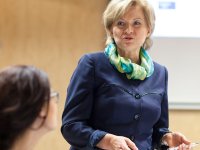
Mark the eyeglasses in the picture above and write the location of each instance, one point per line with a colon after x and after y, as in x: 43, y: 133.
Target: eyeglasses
x: 54, y: 96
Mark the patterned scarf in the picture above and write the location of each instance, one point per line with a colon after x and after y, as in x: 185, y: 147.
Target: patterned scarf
x: 124, y: 65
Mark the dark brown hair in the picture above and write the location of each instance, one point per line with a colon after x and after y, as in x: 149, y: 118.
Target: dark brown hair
x: 23, y: 92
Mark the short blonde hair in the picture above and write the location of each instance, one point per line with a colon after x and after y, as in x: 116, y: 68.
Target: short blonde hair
x: 117, y: 8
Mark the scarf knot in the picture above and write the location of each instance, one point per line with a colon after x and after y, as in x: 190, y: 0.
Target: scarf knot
x: 124, y: 65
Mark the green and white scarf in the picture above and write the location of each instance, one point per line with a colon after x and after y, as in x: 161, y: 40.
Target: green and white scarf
x: 124, y: 65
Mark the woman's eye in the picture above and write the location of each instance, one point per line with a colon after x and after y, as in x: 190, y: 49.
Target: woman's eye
x: 121, y: 24
x: 136, y: 23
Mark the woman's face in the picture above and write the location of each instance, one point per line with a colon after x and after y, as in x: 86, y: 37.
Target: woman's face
x: 130, y: 31
x: 52, y: 114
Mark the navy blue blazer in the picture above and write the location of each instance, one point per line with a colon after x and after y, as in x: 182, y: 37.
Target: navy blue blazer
x: 102, y: 100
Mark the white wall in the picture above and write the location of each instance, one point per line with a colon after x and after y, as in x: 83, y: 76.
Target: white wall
x: 181, y: 56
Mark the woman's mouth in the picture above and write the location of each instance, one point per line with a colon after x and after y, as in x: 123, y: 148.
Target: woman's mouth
x: 128, y: 38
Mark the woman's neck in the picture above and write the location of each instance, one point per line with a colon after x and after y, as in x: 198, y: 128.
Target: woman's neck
x: 27, y: 141
x: 134, y: 56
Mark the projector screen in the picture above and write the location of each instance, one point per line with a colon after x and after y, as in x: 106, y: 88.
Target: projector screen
x: 176, y: 45
x: 177, y: 18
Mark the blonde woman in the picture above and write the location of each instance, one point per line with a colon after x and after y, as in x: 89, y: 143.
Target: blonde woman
x: 117, y: 99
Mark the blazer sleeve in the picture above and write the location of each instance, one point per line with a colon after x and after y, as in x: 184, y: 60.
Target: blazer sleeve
x: 78, y: 107
x: 161, y: 127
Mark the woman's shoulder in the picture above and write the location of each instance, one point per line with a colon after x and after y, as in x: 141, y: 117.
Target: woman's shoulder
x: 94, y: 56
x: 160, y: 68
x: 158, y: 65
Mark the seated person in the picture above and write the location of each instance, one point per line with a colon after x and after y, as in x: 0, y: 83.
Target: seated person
x: 28, y: 108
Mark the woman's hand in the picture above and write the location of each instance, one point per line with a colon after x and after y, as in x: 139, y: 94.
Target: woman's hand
x: 177, y: 140
x: 113, y: 142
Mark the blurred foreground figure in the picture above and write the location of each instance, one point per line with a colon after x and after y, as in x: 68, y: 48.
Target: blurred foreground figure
x: 28, y: 108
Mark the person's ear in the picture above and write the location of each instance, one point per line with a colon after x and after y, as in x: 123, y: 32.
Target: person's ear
x: 44, y: 111
x: 41, y: 117
x: 110, y: 33
x: 148, y: 32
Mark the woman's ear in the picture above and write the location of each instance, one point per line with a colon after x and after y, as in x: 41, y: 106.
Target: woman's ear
x: 41, y: 117
x: 148, y: 32
x: 110, y: 31
x: 44, y: 111
x: 110, y: 34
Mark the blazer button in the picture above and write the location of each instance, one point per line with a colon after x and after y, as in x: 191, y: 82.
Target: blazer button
x: 137, y: 96
x: 137, y: 116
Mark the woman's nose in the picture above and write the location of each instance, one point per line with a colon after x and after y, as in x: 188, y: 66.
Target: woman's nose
x: 129, y: 29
